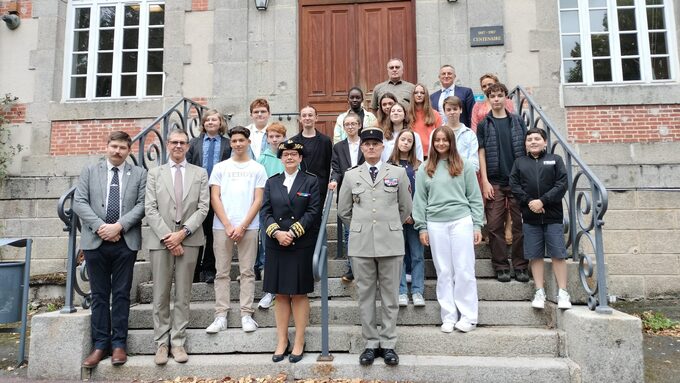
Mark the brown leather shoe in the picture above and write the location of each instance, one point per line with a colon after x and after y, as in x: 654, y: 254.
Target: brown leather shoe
x: 94, y: 358
x: 119, y: 356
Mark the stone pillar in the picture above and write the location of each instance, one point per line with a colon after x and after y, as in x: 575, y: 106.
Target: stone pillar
x: 59, y: 343
x: 608, y: 348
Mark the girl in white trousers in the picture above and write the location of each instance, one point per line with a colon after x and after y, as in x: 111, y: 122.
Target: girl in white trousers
x: 448, y: 213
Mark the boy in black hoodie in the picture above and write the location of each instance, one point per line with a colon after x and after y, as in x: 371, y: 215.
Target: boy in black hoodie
x: 539, y: 181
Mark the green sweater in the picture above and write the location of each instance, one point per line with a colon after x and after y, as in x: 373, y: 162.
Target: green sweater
x: 272, y: 165
x: 443, y: 198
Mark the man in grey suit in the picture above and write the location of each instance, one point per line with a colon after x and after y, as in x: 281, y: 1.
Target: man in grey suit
x: 109, y: 200
x: 177, y: 200
x: 375, y: 201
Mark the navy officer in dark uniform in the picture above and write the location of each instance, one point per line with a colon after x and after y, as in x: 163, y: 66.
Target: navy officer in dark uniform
x: 291, y: 216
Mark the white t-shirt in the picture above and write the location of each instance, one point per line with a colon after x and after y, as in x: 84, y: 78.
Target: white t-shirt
x: 237, y: 182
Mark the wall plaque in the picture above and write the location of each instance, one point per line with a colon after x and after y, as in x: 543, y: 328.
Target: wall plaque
x: 485, y: 36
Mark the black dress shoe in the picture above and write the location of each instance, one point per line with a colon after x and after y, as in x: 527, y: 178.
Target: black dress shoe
x: 348, y: 277
x: 367, y: 357
x: 391, y: 357
x: 295, y: 358
x: 279, y: 357
x: 208, y: 277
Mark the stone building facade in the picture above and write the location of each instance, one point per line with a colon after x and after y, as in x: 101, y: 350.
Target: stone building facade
x: 224, y: 53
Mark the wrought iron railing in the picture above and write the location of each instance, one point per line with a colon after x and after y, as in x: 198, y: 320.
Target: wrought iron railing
x: 320, y: 268
x: 186, y: 115
x: 586, y: 201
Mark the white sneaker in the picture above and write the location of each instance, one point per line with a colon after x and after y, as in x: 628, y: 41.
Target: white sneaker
x: 403, y: 300
x: 267, y: 301
x: 563, y: 300
x: 539, y: 299
x: 408, y: 278
x: 464, y: 326
x: 219, y: 324
x: 447, y: 327
x: 248, y: 323
x: 418, y: 300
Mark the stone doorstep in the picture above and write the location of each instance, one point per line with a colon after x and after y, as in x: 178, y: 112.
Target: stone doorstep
x: 414, y: 368
x: 347, y: 313
x: 485, y: 341
x: 487, y: 289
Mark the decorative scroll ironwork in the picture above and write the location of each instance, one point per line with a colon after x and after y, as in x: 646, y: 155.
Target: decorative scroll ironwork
x: 152, y: 149
x: 320, y: 269
x: 586, y: 203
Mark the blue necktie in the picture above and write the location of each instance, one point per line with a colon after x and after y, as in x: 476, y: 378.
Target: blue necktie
x: 113, y: 207
x: 211, y: 155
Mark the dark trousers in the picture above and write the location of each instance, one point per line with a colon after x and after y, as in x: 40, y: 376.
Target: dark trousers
x: 110, y: 269
x: 206, y: 257
x: 495, y: 222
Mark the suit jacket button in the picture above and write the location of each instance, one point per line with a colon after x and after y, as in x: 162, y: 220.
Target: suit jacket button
x: 280, y: 219
x: 292, y: 217
x: 374, y: 210
x: 374, y: 221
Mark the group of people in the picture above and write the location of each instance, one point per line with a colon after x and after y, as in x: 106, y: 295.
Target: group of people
x: 414, y: 171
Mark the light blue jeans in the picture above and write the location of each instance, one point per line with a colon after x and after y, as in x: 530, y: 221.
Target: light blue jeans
x: 415, y: 249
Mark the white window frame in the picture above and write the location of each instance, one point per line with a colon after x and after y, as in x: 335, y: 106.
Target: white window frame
x: 93, y: 49
x: 642, y: 31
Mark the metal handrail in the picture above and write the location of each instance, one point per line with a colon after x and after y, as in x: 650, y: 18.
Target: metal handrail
x: 320, y: 270
x: 586, y: 200
x: 185, y: 114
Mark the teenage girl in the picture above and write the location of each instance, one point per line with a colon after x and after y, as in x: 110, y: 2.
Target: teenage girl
x: 448, y: 213
x: 404, y: 155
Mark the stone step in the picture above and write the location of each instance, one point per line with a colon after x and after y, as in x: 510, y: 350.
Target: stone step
x: 487, y: 289
x: 346, y: 312
x: 416, y: 340
x: 482, y: 250
x: 338, y: 267
x: 412, y: 368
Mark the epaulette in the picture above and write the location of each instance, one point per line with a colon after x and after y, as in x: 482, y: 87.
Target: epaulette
x: 353, y: 167
x: 277, y: 174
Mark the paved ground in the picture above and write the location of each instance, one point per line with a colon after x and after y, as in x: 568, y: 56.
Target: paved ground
x: 661, y: 353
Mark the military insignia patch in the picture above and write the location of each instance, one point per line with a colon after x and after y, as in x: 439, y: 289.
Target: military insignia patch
x: 391, y: 181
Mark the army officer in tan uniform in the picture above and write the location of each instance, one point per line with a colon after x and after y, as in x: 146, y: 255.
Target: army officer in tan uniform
x: 375, y: 201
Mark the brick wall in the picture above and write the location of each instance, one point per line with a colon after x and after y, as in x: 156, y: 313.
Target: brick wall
x: 623, y: 124
x: 199, y: 5
x: 84, y: 137
x: 24, y: 7
x: 16, y: 114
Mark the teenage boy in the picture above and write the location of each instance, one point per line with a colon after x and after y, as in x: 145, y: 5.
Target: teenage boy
x: 346, y: 154
x: 355, y: 99
x: 466, y: 139
x: 236, y: 192
x: 501, y: 141
x: 276, y: 133
x: 316, y: 158
x: 259, y: 113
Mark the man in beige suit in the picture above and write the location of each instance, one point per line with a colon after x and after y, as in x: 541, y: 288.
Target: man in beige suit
x: 177, y: 200
x: 375, y: 201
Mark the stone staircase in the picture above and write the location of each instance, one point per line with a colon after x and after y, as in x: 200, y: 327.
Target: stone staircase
x: 513, y: 341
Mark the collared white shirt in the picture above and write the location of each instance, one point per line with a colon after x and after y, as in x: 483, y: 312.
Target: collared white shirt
x: 257, y: 139
x: 290, y: 178
x: 354, y: 151
x: 109, y: 177
x: 173, y: 171
x: 440, y: 104
x: 369, y: 166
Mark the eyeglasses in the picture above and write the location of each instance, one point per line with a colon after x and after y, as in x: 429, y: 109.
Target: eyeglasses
x: 393, y: 67
x: 177, y: 143
x: 291, y: 154
x: 350, y: 124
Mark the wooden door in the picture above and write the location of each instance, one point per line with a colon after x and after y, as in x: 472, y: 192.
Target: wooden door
x: 347, y: 43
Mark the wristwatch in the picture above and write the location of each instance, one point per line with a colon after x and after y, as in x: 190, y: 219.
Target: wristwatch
x: 186, y: 230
